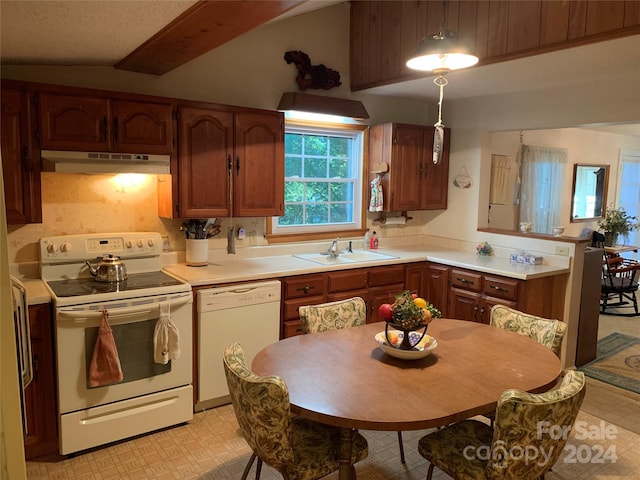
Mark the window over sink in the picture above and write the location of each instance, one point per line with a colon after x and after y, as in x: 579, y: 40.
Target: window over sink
x: 323, y: 179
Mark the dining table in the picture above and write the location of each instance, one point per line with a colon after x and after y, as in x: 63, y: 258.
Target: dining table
x: 343, y: 378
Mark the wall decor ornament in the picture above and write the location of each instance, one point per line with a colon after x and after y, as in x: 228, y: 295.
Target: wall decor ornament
x: 312, y: 76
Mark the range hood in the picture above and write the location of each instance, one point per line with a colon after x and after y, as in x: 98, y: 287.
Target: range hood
x: 92, y: 162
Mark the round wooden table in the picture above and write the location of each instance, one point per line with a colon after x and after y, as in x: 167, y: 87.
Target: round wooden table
x: 343, y: 378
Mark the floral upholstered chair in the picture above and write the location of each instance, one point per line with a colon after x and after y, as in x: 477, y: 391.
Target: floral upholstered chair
x: 525, y: 422
x: 333, y: 315
x: 298, y: 448
x: 351, y: 312
x: 546, y: 332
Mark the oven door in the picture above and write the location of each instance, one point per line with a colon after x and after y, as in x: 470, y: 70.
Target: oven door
x: 133, y: 324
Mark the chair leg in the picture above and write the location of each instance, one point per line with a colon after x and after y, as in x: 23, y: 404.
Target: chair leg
x: 430, y: 471
x: 259, y: 468
x: 401, y: 445
x: 245, y: 473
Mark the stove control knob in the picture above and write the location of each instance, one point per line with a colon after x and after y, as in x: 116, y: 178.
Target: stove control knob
x: 151, y: 242
x: 51, y: 248
x: 140, y: 243
x: 129, y: 244
x: 65, y: 247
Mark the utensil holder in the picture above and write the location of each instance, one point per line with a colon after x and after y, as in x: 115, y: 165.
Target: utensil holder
x: 197, y: 252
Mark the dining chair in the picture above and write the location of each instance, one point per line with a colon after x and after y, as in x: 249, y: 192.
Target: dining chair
x: 298, y: 448
x: 525, y: 422
x: 619, y: 283
x: 350, y: 312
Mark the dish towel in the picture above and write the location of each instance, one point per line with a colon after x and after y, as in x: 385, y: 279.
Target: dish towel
x: 376, y: 204
x: 166, y: 337
x: 105, y: 364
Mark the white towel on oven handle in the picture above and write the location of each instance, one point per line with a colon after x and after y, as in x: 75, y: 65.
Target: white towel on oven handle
x: 166, y: 337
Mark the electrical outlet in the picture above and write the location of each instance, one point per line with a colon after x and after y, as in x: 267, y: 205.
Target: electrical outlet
x: 166, y: 245
x: 562, y: 250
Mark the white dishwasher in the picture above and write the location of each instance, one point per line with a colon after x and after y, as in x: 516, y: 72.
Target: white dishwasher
x: 247, y: 313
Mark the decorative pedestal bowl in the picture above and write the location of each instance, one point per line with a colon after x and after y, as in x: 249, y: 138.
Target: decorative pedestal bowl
x: 413, y: 344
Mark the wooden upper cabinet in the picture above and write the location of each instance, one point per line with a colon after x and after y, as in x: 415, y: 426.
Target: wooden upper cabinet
x: 413, y: 181
x: 384, y: 34
x: 142, y: 127
x: 230, y: 162
x: 205, y: 155
x: 87, y: 123
x: 21, y: 172
x: 258, y: 167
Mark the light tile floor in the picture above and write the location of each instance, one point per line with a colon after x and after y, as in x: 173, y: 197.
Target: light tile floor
x: 211, y: 447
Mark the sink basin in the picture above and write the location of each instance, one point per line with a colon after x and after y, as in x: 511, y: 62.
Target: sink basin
x: 356, y: 256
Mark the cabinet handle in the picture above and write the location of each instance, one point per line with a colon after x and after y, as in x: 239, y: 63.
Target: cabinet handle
x: 482, y: 315
x: 238, y: 165
x: 464, y: 280
x: 475, y: 313
x: 115, y: 129
x: 36, y: 368
x: 229, y: 164
x: 306, y: 288
x: 105, y: 128
x: 26, y: 164
x: 498, y: 288
x: 420, y: 169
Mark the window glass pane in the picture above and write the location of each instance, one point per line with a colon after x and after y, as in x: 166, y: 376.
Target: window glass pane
x: 292, y: 166
x: 292, y: 144
x: 339, y: 147
x: 341, y: 192
x: 340, y: 212
x: 318, y: 213
x: 314, y: 145
x: 293, y: 191
x: 315, y: 168
x: 293, y: 215
x: 338, y: 167
x: 317, y: 192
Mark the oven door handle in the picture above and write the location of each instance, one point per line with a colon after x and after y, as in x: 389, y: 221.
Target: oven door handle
x: 123, y: 311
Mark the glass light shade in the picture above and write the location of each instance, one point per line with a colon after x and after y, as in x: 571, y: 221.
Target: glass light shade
x: 441, y: 53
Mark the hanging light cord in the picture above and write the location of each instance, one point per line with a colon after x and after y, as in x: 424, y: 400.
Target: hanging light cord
x: 440, y: 81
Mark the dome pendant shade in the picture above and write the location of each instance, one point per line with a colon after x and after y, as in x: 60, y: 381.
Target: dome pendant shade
x: 442, y: 53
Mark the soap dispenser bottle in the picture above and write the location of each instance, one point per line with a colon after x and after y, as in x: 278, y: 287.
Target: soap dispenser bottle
x: 373, y: 241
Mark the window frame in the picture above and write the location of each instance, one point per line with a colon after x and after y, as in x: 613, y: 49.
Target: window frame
x: 281, y: 235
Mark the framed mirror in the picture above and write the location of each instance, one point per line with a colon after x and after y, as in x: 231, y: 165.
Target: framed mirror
x: 589, y: 194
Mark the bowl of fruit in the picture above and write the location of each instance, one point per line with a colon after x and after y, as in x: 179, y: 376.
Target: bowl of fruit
x: 389, y: 341
x: 407, y: 320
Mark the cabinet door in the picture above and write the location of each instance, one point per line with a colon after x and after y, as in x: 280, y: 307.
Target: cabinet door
x: 464, y: 305
x: 40, y: 399
x: 142, y: 127
x: 435, y: 177
x: 70, y: 122
x: 488, y: 303
x: 406, y: 166
x: 378, y: 296
x: 21, y: 173
x: 436, y: 290
x: 205, y: 149
x: 258, y: 164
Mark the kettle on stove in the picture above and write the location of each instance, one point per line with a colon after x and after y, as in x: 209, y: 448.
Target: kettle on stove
x: 109, y: 269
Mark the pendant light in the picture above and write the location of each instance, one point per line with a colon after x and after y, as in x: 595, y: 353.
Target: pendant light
x: 441, y: 53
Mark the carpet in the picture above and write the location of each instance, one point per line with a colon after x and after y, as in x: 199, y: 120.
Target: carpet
x: 617, y: 362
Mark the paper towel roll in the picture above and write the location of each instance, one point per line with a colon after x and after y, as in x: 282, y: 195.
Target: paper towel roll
x: 396, y: 220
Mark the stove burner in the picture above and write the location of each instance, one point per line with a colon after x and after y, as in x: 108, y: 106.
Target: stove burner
x: 89, y: 286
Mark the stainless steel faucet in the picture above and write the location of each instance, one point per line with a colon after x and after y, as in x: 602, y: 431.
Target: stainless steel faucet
x: 333, y: 249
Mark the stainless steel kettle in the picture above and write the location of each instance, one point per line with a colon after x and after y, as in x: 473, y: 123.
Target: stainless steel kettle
x: 109, y: 269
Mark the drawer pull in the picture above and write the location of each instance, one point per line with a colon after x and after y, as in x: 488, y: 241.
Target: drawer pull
x: 306, y: 288
x: 498, y: 288
x: 464, y: 280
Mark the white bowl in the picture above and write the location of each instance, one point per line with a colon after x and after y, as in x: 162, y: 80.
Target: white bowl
x: 421, y: 350
x: 557, y: 230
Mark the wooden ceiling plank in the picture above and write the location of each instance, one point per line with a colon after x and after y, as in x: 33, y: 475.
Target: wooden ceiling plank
x: 201, y: 28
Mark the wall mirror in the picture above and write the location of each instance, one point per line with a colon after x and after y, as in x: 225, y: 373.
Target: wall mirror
x: 589, y: 194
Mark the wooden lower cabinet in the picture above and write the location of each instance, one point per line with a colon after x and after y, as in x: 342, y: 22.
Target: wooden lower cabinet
x: 40, y: 395
x: 431, y: 282
x: 472, y: 294
x: 298, y: 291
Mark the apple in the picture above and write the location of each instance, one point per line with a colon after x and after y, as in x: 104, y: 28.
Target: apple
x: 386, y: 311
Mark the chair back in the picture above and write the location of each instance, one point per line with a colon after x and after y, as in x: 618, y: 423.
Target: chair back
x: 544, y: 331
x: 261, y: 405
x: 333, y: 315
x: 531, y: 430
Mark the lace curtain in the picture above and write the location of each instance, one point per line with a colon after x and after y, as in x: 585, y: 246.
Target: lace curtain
x: 500, y: 172
x: 543, y: 177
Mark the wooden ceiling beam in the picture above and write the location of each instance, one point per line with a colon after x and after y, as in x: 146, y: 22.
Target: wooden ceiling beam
x: 201, y: 28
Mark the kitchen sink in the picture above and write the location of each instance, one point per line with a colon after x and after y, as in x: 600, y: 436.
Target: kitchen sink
x: 356, y: 256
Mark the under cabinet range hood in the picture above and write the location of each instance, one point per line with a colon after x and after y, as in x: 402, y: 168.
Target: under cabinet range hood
x: 98, y: 162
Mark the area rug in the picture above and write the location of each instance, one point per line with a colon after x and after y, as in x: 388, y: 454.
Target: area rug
x: 617, y: 362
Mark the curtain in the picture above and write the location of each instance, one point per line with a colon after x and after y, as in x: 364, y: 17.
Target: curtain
x: 500, y: 172
x: 629, y: 190
x: 543, y: 174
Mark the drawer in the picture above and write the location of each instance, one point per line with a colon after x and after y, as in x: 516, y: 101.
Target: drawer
x: 304, y: 286
x: 466, y: 280
x: 348, y: 280
x: 500, y: 287
x: 291, y: 306
x: 379, y: 276
x: 292, y: 328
